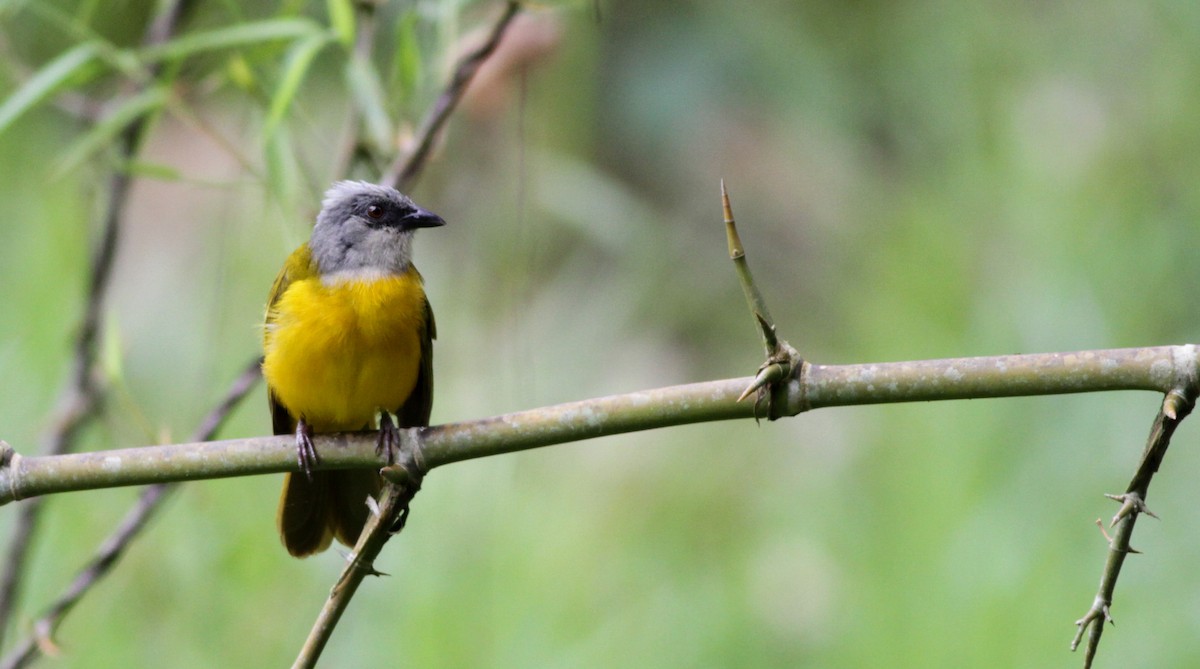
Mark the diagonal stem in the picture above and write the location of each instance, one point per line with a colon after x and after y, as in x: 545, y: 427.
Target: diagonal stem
x: 1177, y: 404
x: 386, y: 519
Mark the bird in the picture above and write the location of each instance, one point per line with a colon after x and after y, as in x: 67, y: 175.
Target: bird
x: 348, y: 335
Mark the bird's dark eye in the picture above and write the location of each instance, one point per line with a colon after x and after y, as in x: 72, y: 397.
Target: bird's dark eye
x: 375, y: 212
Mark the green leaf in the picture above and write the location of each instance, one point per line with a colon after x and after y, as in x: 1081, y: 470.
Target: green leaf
x: 299, y: 58
x: 281, y: 166
x: 406, y: 61
x: 341, y: 20
x: 112, y: 355
x: 157, y: 171
x: 46, y: 82
x: 110, y: 126
x: 256, y: 32
x: 363, y: 81
x: 240, y: 72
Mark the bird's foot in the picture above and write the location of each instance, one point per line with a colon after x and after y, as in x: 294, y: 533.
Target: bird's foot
x: 389, y: 438
x: 306, y: 453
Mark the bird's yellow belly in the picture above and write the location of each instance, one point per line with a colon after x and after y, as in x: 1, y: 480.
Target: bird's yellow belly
x: 337, y: 354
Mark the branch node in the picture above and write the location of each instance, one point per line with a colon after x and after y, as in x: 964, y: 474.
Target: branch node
x: 10, y: 469
x: 1131, y: 503
x: 365, y: 568
x: 1099, y: 611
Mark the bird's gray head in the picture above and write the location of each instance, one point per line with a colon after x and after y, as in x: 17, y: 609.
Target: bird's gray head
x: 364, y: 228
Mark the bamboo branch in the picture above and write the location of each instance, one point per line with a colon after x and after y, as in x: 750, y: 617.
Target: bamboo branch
x: 1159, y: 369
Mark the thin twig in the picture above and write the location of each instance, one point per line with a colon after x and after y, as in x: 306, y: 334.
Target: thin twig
x: 80, y: 400
x: 1177, y: 404
x: 403, y: 172
x: 114, y: 546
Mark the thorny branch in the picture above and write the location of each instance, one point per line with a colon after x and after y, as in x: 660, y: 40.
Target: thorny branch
x: 1177, y: 404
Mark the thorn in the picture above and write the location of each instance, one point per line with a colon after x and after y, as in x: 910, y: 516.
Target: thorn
x: 373, y: 506
x: 396, y: 474
x: 725, y: 207
x: 372, y: 571
x: 1100, y: 524
x: 767, y: 374
x: 1131, y: 504
x: 759, y: 381
x: 731, y: 234
x: 1173, y: 404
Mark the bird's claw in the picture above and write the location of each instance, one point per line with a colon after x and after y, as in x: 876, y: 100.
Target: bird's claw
x: 306, y: 453
x: 389, y: 438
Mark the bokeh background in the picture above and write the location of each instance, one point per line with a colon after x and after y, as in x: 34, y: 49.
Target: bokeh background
x: 913, y: 179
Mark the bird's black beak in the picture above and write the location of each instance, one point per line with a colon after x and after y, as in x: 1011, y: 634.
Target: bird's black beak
x: 421, y: 218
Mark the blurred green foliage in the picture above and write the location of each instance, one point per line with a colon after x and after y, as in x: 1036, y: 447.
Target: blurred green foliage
x: 912, y: 179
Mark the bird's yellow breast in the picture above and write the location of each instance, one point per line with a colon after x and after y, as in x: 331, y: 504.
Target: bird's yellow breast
x: 338, y: 351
